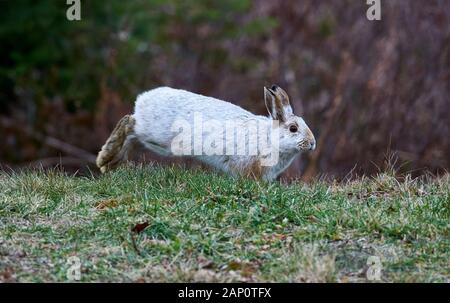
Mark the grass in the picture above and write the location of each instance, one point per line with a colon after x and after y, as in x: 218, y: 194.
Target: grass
x: 172, y: 225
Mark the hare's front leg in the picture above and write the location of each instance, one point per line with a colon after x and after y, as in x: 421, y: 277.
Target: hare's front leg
x: 157, y: 148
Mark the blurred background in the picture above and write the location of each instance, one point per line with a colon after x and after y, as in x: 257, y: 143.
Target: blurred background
x: 367, y: 89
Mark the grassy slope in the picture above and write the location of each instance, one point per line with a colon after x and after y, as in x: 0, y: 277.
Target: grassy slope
x: 207, y: 227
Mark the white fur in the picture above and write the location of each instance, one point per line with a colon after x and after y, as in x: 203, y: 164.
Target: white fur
x: 157, y: 110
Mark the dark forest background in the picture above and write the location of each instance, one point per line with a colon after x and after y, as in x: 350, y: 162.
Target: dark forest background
x: 367, y: 89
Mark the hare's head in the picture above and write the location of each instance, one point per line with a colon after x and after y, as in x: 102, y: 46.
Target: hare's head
x: 295, y: 135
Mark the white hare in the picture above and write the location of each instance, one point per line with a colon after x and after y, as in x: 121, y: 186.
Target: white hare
x: 160, y: 114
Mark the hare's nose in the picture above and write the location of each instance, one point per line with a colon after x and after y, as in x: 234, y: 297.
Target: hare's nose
x: 312, y: 144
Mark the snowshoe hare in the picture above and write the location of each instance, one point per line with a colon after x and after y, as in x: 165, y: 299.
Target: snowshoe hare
x: 176, y: 122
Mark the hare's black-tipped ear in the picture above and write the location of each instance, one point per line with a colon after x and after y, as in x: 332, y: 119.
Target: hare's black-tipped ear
x: 277, y: 103
x: 269, y: 97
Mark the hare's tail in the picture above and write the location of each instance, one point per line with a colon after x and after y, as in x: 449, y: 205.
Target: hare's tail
x: 117, y: 146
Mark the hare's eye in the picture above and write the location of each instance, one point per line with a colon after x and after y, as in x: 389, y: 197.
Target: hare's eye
x: 293, y: 128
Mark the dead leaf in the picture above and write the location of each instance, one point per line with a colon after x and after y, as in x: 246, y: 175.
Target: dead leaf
x: 206, y: 275
x: 234, y: 265
x: 139, y: 227
x: 205, y: 263
x: 102, y: 204
x: 279, y: 236
x: 344, y: 279
x: 6, y: 275
x: 336, y: 237
x: 248, y: 269
x: 312, y: 218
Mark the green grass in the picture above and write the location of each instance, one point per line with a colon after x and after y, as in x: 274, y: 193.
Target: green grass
x: 204, y: 226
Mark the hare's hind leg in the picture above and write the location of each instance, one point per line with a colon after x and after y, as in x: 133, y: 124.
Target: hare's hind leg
x: 118, y: 145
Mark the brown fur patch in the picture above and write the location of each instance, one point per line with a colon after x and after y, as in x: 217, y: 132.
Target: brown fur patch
x: 309, y: 135
x: 281, y: 103
x: 282, y: 96
x: 254, y: 169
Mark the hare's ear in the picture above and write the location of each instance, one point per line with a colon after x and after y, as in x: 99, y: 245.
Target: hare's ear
x: 277, y: 103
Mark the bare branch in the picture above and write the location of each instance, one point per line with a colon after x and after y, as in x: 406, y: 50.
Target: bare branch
x: 51, y: 141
